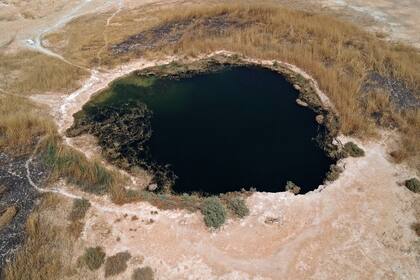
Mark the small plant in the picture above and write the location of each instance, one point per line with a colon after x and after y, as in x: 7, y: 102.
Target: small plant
x: 116, y: 264
x: 143, y: 273
x: 238, y: 206
x: 334, y: 173
x: 413, y: 185
x: 416, y: 228
x: 292, y: 187
x: 93, y: 257
x: 214, y: 212
x: 79, y: 209
x: 353, y: 150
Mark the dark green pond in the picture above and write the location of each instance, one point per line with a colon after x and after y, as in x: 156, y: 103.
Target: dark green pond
x: 217, y: 132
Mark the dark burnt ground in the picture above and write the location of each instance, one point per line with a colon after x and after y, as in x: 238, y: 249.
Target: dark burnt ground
x: 402, y: 97
x: 20, y: 194
x: 171, y: 33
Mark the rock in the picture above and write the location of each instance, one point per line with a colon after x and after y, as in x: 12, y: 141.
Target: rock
x: 152, y: 187
x: 301, y: 103
x: 319, y: 119
x: 297, y: 87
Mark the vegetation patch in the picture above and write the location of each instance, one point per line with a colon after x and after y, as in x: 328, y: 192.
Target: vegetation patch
x: 93, y: 257
x: 416, y: 228
x: 7, y: 215
x: 292, y: 187
x: 353, y: 150
x: 41, y: 256
x: 238, y: 207
x: 90, y: 176
x: 143, y: 273
x: 413, y: 185
x: 334, y: 173
x: 79, y: 209
x: 20, y: 124
x: 116, y: 264
x: 214, y: 212
x: 29, y: 72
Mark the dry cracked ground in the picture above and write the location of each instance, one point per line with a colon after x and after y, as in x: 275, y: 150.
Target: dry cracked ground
x: 357, y: 227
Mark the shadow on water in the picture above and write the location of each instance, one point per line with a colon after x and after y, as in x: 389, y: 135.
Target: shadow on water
x: 222, y: 131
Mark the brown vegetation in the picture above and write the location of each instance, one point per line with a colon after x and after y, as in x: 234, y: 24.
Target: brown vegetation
x: 116, y: 264
x: 91, y: 176
x: 143, y: 273
x: 42, y: 255
x: 7, y: 215
x: 93, y: 257
x: 20, y: 124
x: 28, y: 72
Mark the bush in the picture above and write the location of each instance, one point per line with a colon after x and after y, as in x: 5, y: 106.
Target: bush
x: 238, y: 206
x: 292, y: 187
x: 413, y: 185
x: 353, y: 150
x: 214, y: 212
x: 93, y: 257
x: 79, y: 209
x: 416, y: 228
x: 334, y: 173
x: 144, y: 273
x: 116, y: 264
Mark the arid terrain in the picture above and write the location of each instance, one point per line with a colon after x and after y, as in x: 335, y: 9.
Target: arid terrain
x: 359, y: 226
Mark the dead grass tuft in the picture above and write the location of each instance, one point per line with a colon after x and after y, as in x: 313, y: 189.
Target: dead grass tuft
x: 7, y: 215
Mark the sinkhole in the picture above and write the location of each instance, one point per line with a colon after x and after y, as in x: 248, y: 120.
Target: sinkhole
x: 213, y: 132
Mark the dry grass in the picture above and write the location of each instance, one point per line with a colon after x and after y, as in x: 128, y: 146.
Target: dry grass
x: 90, y: 176
x: 28, y: 72
x: 7, y: 216
x: 45, y: 254
x: 20, y: 124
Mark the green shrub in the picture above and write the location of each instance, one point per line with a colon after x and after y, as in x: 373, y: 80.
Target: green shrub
x: 334, y: 173
x: 413, y: 185
x: 144, y: 273
x: 93, y: 257
x: 214, y: 212
x: 238, y: 206
x: 116, y: 264
x: 353, y: 150
x: 292, y: 187
x: 79, y: 209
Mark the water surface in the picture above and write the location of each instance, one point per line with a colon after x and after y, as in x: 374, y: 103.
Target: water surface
x: 236, y: 128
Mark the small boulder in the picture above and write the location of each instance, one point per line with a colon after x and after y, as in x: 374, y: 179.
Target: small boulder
x: 301, y: 103
x: 152, y: 187
x: 319, y: 119
x: 297, y: 87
